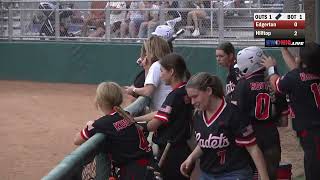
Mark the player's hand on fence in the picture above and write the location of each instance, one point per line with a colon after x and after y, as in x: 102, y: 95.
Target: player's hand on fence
x: 268, y: 61
x: 186, y: 167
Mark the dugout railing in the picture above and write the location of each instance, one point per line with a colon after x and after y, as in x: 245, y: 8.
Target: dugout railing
x: 88, y: 161
x: 21, y: 20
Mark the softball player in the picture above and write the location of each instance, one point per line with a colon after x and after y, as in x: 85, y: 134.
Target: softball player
x: 226, y: 57
x: 223, y: 133
x: 125, y: 142
x: 171, y: 122
x: 254, y: 98
x: 303, y: 87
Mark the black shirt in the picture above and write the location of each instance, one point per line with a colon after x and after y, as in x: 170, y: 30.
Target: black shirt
x: 139, y: 79
x: 254, y: 97
x: 222, y: 137
x: 125, y: 142
x: 176, y: 112
x: 231, y: 82
x: 304, y: 93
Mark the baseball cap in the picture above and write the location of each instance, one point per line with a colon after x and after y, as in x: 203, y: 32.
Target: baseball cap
x: 163, y: 31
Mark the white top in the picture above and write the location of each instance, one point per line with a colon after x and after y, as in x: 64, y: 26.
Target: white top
x: 136, y: 14
x: 162, y: 90
x: 116, y: 16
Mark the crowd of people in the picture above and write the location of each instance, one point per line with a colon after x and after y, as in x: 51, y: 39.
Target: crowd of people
x: 137, y: 19
x: 231, y: 132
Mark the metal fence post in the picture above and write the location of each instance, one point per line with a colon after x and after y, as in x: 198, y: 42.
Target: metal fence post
x: 161, y: 14
x: 211, y: 18
x: 10, y: 23
x: 22, y: 19
x: 220, y: 22
x: 2, y: 12
x: 107, y: 24
x: 57, y: 22
x: 250, y: 6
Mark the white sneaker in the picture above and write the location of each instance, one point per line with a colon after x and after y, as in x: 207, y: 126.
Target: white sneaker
x: 196, y: 32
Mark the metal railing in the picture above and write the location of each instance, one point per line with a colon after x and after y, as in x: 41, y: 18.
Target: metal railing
x: 19, y: 20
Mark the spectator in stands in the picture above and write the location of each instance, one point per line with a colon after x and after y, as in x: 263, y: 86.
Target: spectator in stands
x: 151, y: 20
x: 96, y: 18
x: 237, y: 4
x: 171, y: 14
x: 116, y: 16
x: 133, y: 20
x: 196, y: 15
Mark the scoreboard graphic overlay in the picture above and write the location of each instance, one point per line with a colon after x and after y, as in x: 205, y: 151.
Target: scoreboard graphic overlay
x: 280, y: 29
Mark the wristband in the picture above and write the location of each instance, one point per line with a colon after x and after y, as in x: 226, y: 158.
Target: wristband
x: 271, y: 71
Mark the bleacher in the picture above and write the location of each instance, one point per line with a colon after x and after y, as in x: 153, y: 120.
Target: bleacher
x: 237, y: 23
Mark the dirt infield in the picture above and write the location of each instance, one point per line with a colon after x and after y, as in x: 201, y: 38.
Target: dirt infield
x: 39, y: 121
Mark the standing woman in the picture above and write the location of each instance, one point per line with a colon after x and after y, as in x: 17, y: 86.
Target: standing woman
x: 224, y: 135
x: 264, y: 108
x: 172, y: 121
x: 302, y: 84
x: 226, y: 58
x: 154, y: 87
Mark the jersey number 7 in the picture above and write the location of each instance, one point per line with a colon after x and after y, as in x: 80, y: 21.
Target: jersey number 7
x: 262, y: 106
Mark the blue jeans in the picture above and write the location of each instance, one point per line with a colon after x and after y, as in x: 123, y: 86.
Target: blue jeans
x: 241, y: 174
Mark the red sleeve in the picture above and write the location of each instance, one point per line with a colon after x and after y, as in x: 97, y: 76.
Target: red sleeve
x: 162, y: 116
x: 88, y: 131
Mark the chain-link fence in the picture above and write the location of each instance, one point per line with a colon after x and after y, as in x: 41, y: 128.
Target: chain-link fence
x: 207, y: 22
x: 89, y: 171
